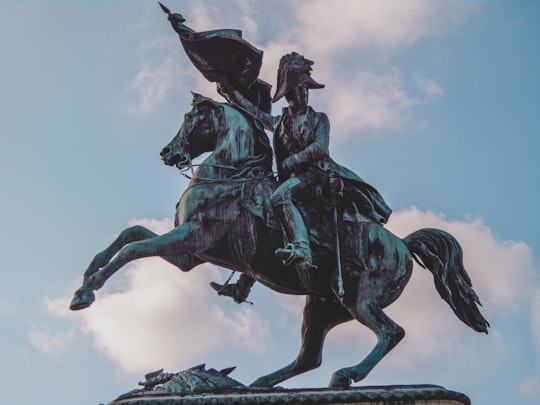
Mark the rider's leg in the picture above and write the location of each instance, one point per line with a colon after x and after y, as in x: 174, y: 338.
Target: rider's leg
x: 298, y: 250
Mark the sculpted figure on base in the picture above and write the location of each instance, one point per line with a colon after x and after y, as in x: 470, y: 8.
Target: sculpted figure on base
x: 236, y: 214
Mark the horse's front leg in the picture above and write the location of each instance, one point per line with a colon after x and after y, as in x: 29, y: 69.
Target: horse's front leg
x: 84, y: 296
x: 128, y: 235
x: 171, y: 246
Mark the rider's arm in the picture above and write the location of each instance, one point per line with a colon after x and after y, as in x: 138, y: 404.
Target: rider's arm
x: 314, y: 151
x: 233, y: 96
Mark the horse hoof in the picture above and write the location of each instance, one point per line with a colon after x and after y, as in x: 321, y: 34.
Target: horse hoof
x: 83, y: 298
x: 340, y: 380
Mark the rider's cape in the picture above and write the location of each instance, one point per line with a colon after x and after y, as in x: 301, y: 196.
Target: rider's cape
x: 367, y: 199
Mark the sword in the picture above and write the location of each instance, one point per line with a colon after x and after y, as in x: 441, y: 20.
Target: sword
x: 341, y: 291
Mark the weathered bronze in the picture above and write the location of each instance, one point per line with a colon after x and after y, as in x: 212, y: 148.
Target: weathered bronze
x: 197, y: 385
x: 236, y: 214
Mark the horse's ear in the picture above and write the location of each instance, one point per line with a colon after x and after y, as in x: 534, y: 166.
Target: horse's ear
x: 199, y: 100
x: 196, y: 98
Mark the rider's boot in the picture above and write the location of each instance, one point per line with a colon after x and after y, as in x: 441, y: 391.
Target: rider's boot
x: 238, y: 291
x: 298, y: 251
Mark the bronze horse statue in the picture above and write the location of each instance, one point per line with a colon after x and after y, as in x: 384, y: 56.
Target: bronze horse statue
x: 223, y: 218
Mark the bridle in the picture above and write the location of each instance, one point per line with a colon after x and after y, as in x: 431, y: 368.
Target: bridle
x: 247, y: 169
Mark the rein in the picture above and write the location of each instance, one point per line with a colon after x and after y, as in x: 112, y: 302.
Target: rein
x: 254, y: 173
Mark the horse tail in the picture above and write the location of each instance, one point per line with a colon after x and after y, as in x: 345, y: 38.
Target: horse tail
x: 440, y: 253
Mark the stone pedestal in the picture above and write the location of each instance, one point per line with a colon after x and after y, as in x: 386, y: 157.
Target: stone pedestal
x: 383, y: 395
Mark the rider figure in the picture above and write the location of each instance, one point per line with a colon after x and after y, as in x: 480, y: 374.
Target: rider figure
x: 301, y: 138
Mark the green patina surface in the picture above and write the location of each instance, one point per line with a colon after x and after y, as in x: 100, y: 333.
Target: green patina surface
x: 315, y: 229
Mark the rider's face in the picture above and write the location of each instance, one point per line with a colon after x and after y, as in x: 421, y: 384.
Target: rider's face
x: 299, y: 96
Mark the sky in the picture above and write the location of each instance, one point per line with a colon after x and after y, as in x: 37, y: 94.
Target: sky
x: 435, y: 103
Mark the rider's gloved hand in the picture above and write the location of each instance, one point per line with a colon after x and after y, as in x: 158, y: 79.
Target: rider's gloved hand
x: 290, y: 164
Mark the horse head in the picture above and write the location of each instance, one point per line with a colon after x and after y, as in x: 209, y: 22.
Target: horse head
x: 197, y: 133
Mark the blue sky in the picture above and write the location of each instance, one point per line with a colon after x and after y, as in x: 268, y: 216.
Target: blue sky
x: 437, y: 104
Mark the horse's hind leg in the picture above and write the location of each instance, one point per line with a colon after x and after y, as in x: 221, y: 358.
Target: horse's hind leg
x: 389, y: 334
x: 320, y: 315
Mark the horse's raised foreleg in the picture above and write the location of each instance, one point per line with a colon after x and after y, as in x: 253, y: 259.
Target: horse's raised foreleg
x: 84, y: 296
x: 320, y: 315
x: 171, y: 244
x: 128, y: 235
x: 389, y: 334
x: 133, y: 234
x: 174, y: 246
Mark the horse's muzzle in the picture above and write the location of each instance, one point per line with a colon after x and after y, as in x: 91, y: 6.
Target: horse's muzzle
x: 170, y: 158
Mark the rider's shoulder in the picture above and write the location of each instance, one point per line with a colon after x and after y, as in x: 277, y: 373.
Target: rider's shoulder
x: 321, y: 117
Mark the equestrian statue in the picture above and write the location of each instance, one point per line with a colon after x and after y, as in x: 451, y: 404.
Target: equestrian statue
x: 315, y: 229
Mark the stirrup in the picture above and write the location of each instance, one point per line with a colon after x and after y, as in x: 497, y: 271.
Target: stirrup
x: 289, y: 254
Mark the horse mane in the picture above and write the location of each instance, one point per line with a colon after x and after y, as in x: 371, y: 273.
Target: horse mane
x: 259, y: 136
x: 228, y: 113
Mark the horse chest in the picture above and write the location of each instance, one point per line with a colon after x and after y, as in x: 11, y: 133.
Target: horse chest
x: 207, y: 204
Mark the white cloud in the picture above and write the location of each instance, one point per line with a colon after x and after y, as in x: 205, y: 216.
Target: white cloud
x: 535, y: 318
x: 346, y: 25
x: 530, y: 387
x: 152, y: 85
x: 155, y: 316
x: 164, y: 318
x: 159, y: 226
x: 292, y: 306
x: 239, y: 14
x: 359, y: 103
x: 365, y: 102
x: 273, y: 51
x: 165, y: 69
x: 49, y: 342
x: 250, y: 28
x: 429, y: 88
x: 501, y: 271
x: 203, y: 16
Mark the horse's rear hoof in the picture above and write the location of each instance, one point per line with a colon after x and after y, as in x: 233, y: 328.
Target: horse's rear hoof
x: 340, y: 380
x: 83, y: 298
